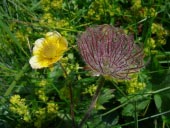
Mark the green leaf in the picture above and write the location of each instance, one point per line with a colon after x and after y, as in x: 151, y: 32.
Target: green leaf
x: 142, y: 105
x: 158, y: 102
x: 128, y: 110
x: 164, y: 95
x: 105, y: 96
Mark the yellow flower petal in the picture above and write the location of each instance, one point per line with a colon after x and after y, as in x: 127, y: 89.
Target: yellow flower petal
x: 52, y: 37
x: 55, y: 33
x: 38, y: 45
x: 34, y: 62
x: 63, y: 43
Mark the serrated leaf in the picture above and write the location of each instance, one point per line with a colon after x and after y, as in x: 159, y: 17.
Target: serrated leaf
x: 105, y: 96
x: 100, y: 107
x: 128, y: 110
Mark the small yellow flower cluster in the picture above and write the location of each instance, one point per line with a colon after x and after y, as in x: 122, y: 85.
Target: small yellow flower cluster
x: 53, y: 22
x: 47, y: 18
x: 133, y: 86
x: 19, y: 35
x: 52, y: 107
x: 99, y: 8
x: 70, y: 67
x: 19, y: 107
x: 51, y: 5
x: 136, y: 4
x: 50, y: 112
x: 56, y: 4
x: 62, y: 23
x: 145, y: 12
x: 40, y: 116
x: 158, y: 30
x: 158, y: 38
x: 151, y: 43
x: 90, y: 90
x: 50, y: 8
x: 41, y: 90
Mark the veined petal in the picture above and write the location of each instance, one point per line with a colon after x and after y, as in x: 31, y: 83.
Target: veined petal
x: 38, y: 62
x: 55, y: 33
x: 38, y: 42
x: 38, y: 45
x: 34, y: 62
x: 63, y: 43
x: 53, y: 37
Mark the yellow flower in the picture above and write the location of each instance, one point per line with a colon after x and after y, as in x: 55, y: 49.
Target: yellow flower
x: 18, y: 105
x: 48, y: 50
x: 136, y: 4
x: 151, y: 43
x: 133, y: 86
x: 52, y: 108
x: 90, y: 90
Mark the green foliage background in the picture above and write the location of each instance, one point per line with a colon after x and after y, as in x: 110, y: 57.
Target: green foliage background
x: 40, y: 98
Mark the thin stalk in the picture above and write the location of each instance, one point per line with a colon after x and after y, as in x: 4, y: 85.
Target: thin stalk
x: 136, y: 115
x: 123, y: 94
x: 146, y: 118
x: 93, y: 102
x: 160, y: 90
x: 116, y: 108
x: 71, y: 98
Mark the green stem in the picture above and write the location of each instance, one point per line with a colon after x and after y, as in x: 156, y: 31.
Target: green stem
x: 71, y: 98
x: 136, y: 115
x: 146, y: 118
x: 93, y: 102
x: 160, y: 90
x: 114, y: 109
x: 119, y: 89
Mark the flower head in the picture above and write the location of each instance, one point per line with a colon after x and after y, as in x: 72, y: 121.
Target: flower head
x: 109, y: 51
x: 48, y: 50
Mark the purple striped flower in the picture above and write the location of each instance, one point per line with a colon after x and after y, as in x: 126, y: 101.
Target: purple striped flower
x: 109, y: 51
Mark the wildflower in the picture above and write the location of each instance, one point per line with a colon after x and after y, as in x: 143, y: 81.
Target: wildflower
x: 56, y: 4
x: 48, y: 50
x: 158, y: 30
x: 109, y: 51
x: 136, y: 4
x: 151, y: 43
x: 41, y: 90
x: 52, y: 107
x: 134, y: 85
x: 90, y: 90
x: 147, y: 12
x: 40, y: 115
x: 18, y: 105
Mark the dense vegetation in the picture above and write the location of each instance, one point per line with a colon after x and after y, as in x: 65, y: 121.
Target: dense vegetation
x: 59, y: 96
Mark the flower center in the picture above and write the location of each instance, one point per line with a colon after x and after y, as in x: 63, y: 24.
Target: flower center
x: 49, y: 51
